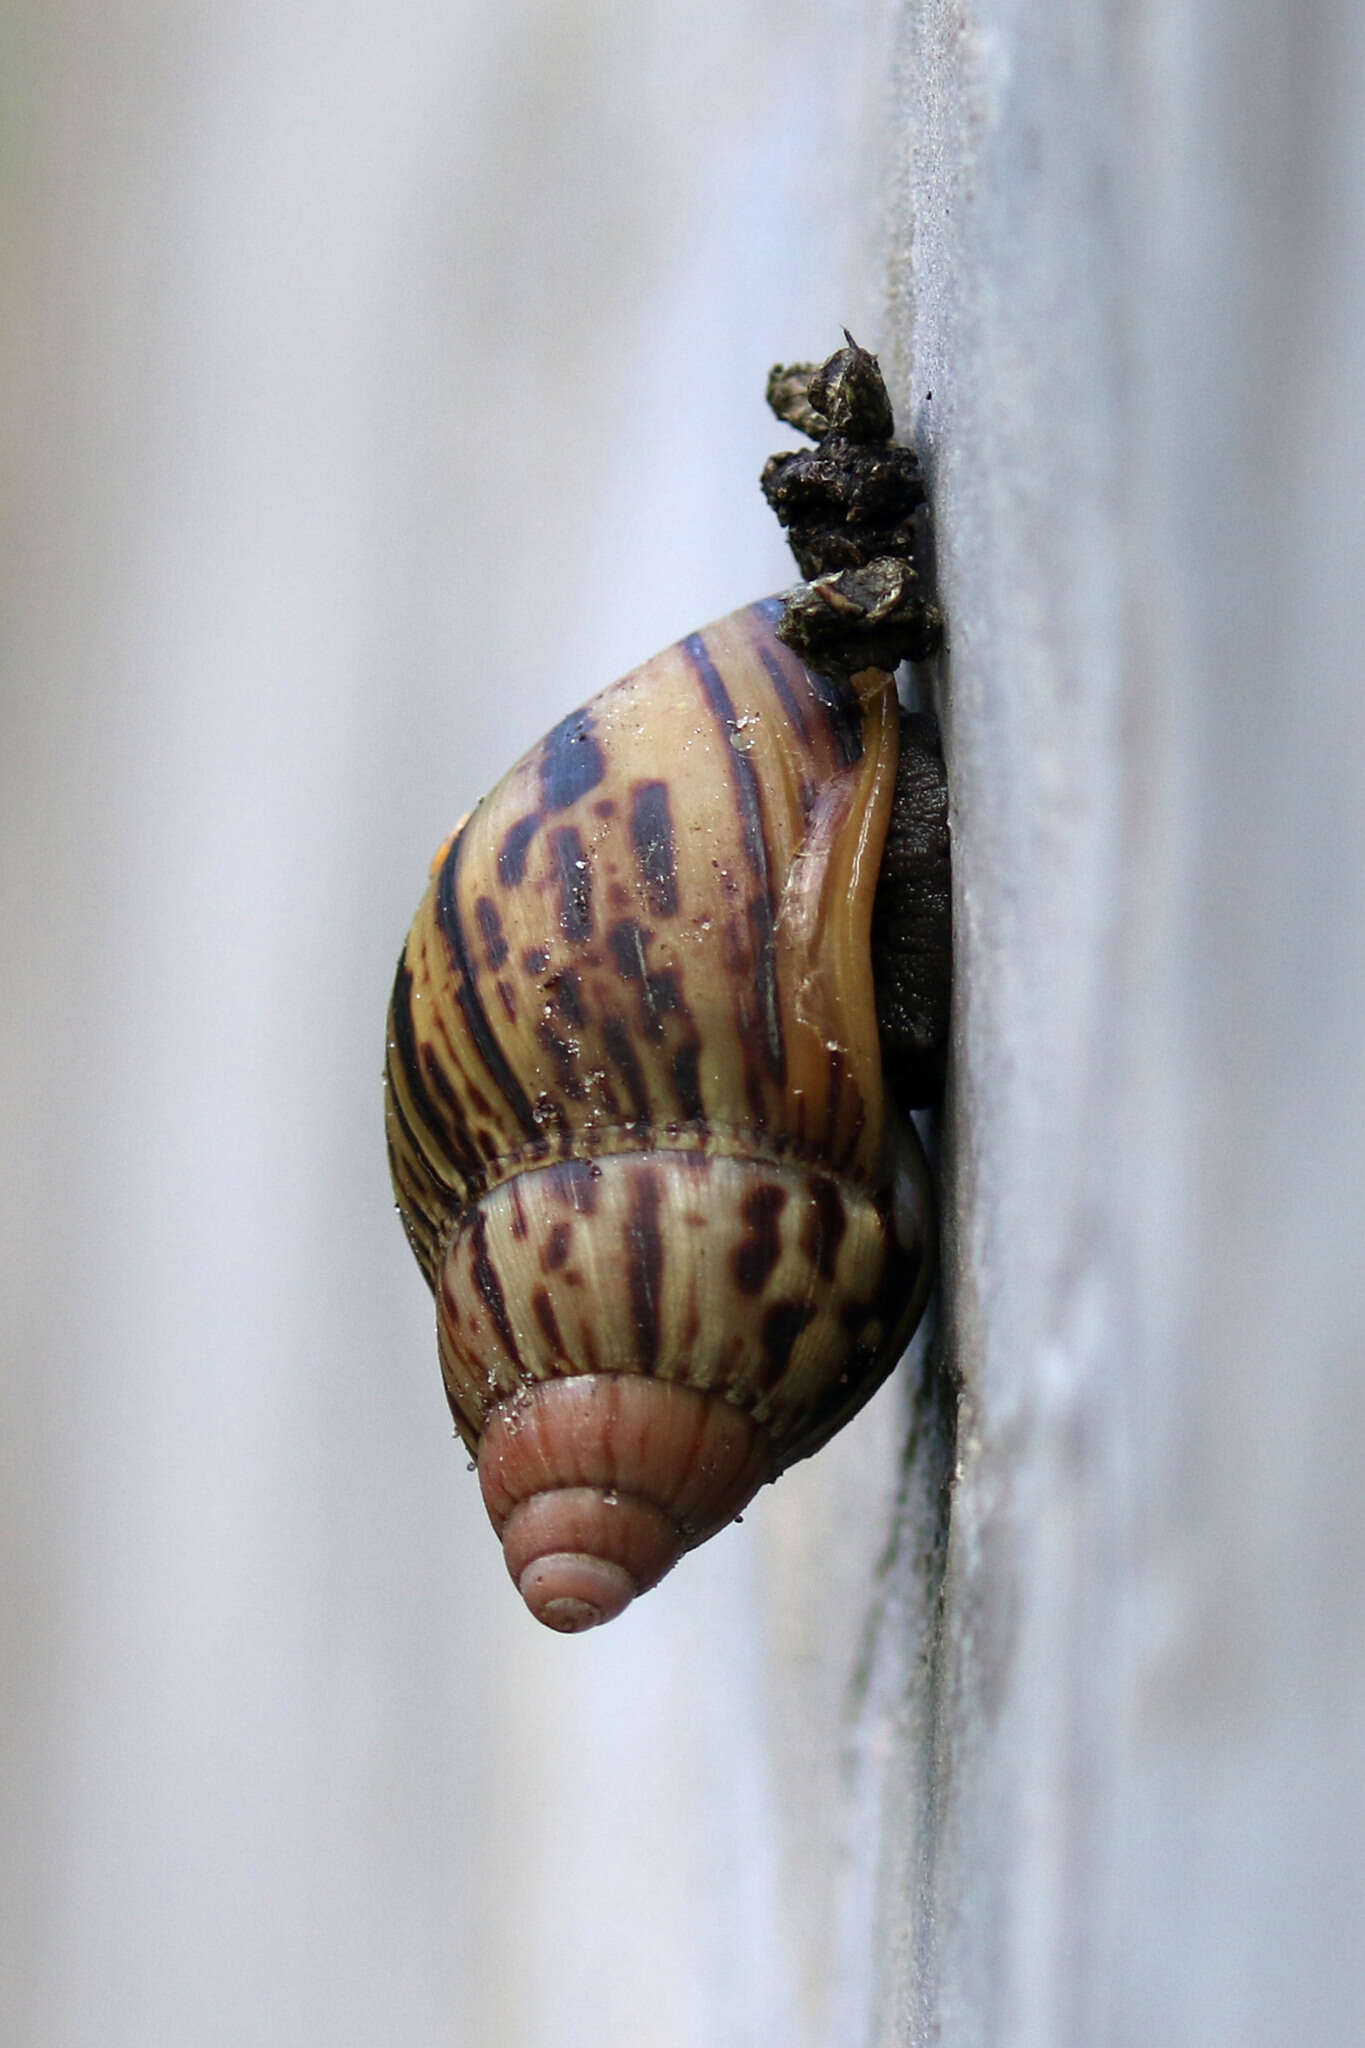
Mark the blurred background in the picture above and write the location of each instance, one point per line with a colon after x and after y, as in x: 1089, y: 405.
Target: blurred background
x: 381, y: 381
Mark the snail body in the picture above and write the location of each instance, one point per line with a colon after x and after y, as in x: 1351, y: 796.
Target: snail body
x: 676, y: 1228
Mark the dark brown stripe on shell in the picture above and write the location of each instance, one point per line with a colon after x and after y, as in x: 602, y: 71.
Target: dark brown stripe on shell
x: 479, y: 1103
x: 756, y: 1255
x: 626, y: 942
x: 756, y: 1096
x: 568, y: 1065
x: 657, y: 992
x: 467, y: 993
x: 405, y: 1051
x: 686, y: 1068
x: 549, y: 1322
x: 825, y: 1226
x: 786, y: 696
x: 455, y: 1140
x: 839, y: 703
x: 645, y: 1263
x: 490, y: 931
x: 448, y: 1141
x: 665, y: 992
x: 422, y: 1227
x: 490, y: 1287
x: 571, y: 761
x: 512, y: 853
x: 616, y: 1038
x: 742, y: 771
x: 782, y: 1325
x: 568, y: 994
x: 575, y: 884
x: 843, y: 715
x: 765, y: 969
x: 749, y: 798
x: 651, y: 831
x: 556, y: 1247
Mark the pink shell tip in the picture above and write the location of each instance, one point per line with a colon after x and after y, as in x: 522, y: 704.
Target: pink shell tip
x: 570, y: 1591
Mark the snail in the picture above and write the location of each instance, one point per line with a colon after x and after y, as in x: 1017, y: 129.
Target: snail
x: 645, y: 1093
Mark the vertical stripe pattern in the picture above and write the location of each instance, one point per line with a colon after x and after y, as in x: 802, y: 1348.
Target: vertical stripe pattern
x: 651, y: 943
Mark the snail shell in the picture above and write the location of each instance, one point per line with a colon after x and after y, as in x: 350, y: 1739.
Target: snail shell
x: 638, y: 1131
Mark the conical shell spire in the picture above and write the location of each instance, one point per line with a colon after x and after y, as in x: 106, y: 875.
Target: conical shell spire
x: 598, y: 1483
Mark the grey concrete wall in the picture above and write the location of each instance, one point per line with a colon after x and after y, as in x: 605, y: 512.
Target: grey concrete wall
x: 349, y: 347
x: 1134, y: 284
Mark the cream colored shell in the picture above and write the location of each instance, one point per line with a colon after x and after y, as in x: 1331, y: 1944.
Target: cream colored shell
x: 636, y: 1116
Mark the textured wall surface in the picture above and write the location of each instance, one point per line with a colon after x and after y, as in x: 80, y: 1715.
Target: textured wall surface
x: 1134, y: 282
x: 383, y: 381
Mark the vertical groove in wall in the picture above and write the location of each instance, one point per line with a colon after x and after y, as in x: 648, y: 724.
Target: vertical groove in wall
x: 890, y: 1730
